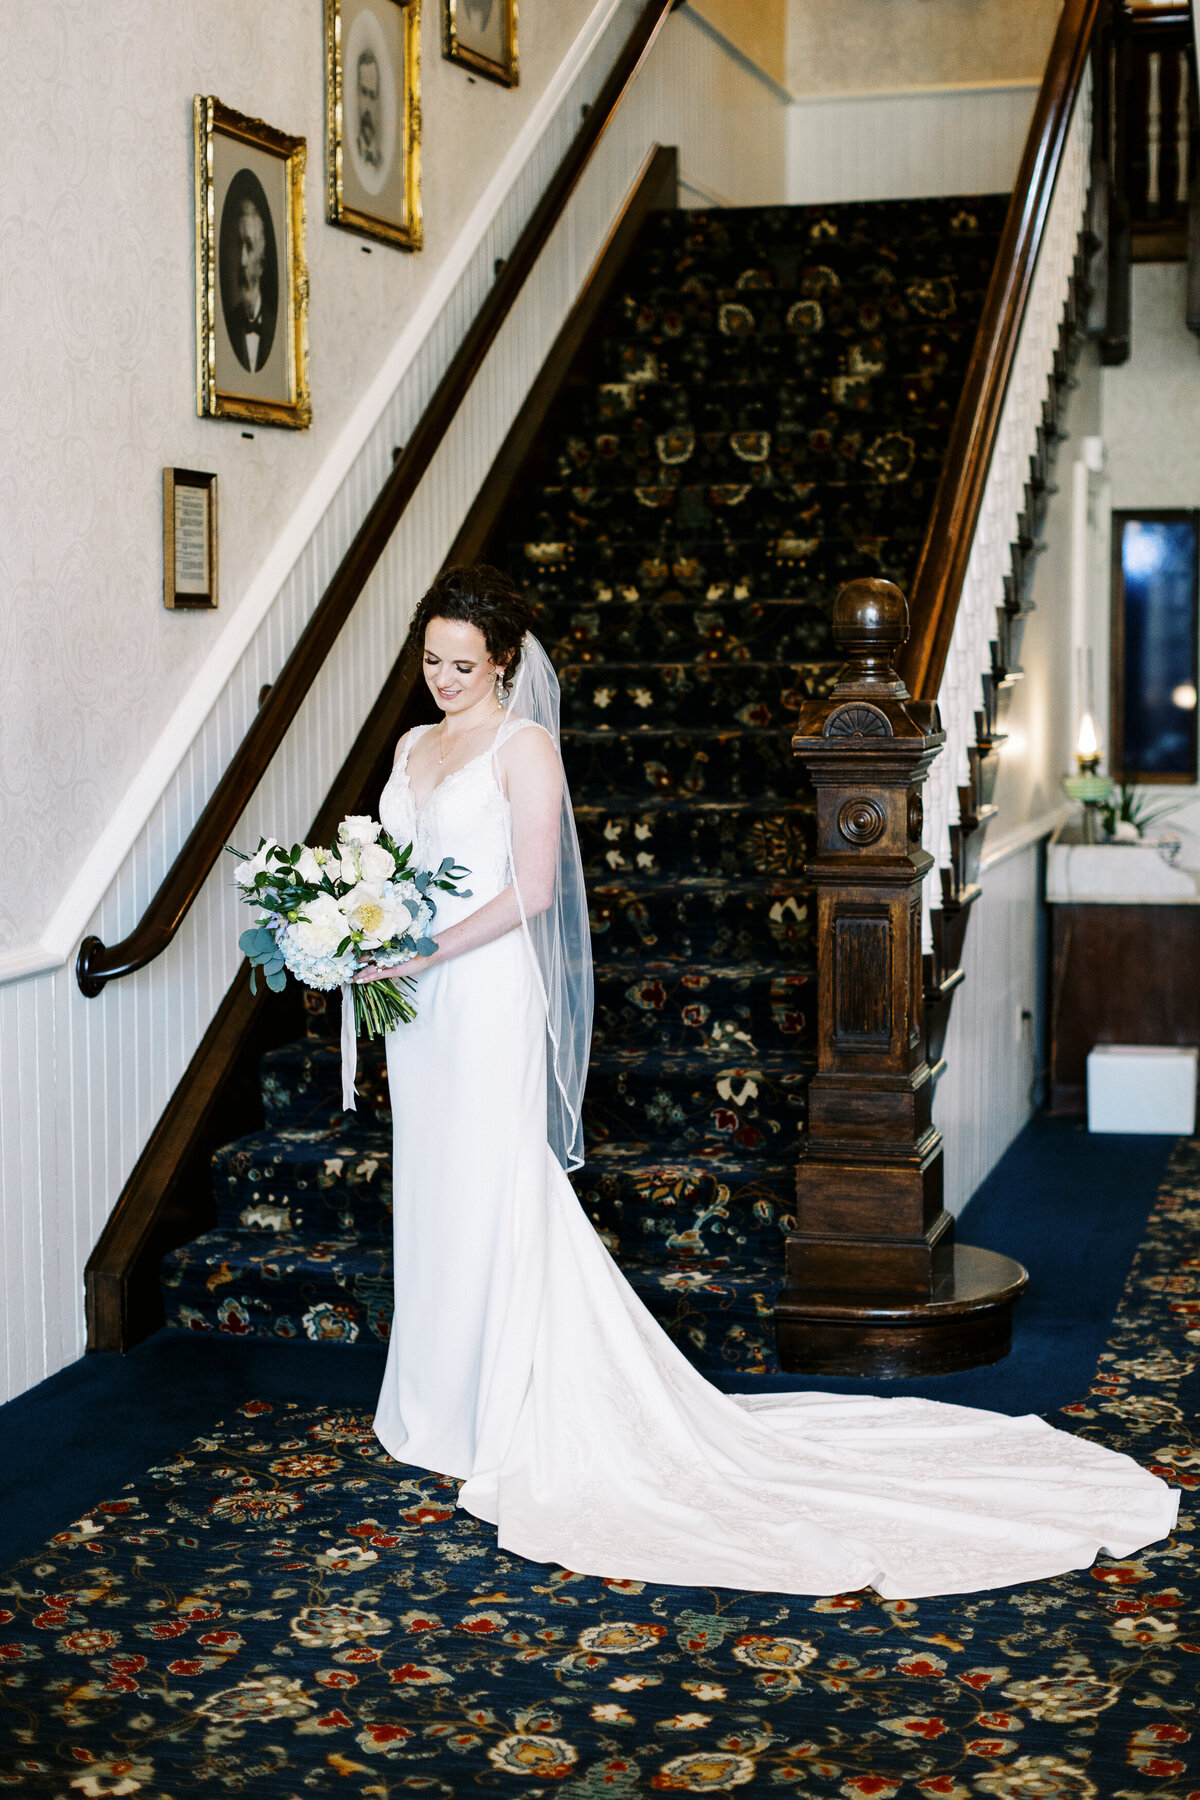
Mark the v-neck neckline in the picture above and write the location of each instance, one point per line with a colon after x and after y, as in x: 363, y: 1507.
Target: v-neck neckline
x: 420, y: 805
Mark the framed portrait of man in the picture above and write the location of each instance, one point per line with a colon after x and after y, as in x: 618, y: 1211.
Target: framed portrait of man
x: 373, y: 118
x: 482, y: 36
x: 251, y: 276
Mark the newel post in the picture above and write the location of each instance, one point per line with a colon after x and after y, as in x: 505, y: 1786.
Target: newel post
x: 876, y: 1284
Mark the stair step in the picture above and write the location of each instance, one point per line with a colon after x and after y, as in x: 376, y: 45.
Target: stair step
x: 724, y: 1204
x: 687, y: 1103
x: 703, y: 836
x: 720, y: 1315
x: 635, y: 696
x: 738, y: 762
x: 642, y: 458
x: 295, y: 1182
x: 681, y: 1005
x: 335, y: 1290
x: 797, y: 564
x: 703, y: 632
x: 302, y: 1086
x: 703, y: 918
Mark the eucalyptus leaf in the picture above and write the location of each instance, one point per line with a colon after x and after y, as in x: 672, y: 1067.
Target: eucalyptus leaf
x: 276, y: 981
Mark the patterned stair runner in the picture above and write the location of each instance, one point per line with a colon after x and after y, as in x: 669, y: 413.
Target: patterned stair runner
x: 760, y: 415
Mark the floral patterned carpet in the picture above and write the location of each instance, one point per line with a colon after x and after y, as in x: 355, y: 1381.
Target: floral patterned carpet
x: 280, y: 1611
x: 760, y: 413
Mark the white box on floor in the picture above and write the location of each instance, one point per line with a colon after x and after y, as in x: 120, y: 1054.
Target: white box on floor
x: 1142, y: 1088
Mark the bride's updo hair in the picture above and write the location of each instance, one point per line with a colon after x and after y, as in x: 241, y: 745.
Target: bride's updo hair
x: 478, y: 595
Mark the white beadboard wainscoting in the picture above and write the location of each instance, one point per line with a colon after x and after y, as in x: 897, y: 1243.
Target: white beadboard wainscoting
x: 82, y: 1082
x: 985, y: 1096
x: 907, y: 145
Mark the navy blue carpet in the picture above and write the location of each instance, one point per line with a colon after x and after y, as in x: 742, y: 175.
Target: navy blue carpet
x: 1071, y: 1207
x: 278, y: 1610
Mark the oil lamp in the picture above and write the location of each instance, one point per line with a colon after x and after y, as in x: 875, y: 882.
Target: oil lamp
x: 1089, y: 787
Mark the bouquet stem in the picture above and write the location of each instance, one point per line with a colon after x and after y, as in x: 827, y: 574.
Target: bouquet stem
x: 380, y: 1006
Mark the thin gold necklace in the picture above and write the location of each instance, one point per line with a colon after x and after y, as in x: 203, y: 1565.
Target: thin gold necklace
x: 443, y: 754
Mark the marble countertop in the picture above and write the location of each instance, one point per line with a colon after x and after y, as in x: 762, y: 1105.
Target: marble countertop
x: 1117, y: 875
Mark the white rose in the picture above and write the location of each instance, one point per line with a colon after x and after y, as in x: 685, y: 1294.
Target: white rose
x: 376, y: 863
x: 347, y: 868
x: 254, y: 865
x: 321, y: 929
x: 358, y: 828
x: 373, y: 909
x: 308, y: 866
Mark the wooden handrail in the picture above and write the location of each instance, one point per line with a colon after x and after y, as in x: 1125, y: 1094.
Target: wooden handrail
x: 98, y: 963
x: 942, y: 565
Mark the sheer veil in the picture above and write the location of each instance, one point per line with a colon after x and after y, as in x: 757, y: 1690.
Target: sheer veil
x: 559, y: 938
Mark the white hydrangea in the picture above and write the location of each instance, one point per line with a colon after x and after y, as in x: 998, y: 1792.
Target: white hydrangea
x: 309, y: 945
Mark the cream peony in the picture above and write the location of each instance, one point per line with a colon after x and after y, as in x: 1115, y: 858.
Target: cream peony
x: 374, y: 910
x: 251, y: 866
x: 358, y: 828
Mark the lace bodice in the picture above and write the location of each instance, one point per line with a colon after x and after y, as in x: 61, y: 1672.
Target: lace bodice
x: 465, y: 817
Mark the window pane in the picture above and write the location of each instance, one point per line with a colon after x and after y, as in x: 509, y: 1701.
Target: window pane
x: 1158, y: 565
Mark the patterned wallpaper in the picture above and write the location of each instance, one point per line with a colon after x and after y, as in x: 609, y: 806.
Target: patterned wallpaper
x: 97, y: 324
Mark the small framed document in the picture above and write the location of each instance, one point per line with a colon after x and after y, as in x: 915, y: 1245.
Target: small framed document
x: 189, y: 538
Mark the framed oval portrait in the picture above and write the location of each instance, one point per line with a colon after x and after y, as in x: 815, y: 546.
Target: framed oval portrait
x: 482, y: 36
x: 251, y: 279
x: 373, y: 118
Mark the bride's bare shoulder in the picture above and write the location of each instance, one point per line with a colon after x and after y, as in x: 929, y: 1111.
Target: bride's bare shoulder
x: 529, y: 756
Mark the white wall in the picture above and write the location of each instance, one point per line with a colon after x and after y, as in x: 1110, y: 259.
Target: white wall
x: 904, y: 99
x: 97, y: 323
x: 907, y: 145
x: 82, y: 1083
x: 1150, y: 424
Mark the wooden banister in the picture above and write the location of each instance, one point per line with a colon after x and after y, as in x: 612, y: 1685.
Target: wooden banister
x: 942, y: 564
x: 167, y: 1199
x: 98, y: 963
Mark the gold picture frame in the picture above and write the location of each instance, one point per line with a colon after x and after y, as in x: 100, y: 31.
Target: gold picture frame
x: 373, y: 130
x: 251, y: 274
x: 189, y: 540
x: 481, y: 35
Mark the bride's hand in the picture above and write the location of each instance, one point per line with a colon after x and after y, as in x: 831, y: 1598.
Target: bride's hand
x: 372, y: 972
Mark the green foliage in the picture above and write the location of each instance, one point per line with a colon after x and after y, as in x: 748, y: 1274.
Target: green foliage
x: 1130, y: 805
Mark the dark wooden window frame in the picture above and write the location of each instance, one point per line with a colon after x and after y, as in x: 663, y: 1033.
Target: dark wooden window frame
x: 1116, y: 718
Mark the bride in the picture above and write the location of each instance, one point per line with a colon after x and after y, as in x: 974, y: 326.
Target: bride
x: 520, y: 1360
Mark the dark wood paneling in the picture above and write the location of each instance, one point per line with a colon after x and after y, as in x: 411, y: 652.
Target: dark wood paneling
x: 1120, y: 975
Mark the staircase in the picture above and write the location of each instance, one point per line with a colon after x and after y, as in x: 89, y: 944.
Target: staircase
x: 761, y: 414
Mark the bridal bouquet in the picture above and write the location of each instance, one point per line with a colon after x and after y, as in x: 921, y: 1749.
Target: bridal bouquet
x: 324, y: 914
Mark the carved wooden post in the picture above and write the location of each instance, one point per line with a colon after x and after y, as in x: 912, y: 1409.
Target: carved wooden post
x: 875, y: 1282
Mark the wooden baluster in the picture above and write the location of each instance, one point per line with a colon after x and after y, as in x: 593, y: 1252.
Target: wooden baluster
x: 1153, y: 131
x: 1183, y: 132
x: 875, y: 1282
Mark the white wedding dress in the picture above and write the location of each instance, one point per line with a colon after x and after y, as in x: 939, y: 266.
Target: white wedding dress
x: 522, y: 1362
